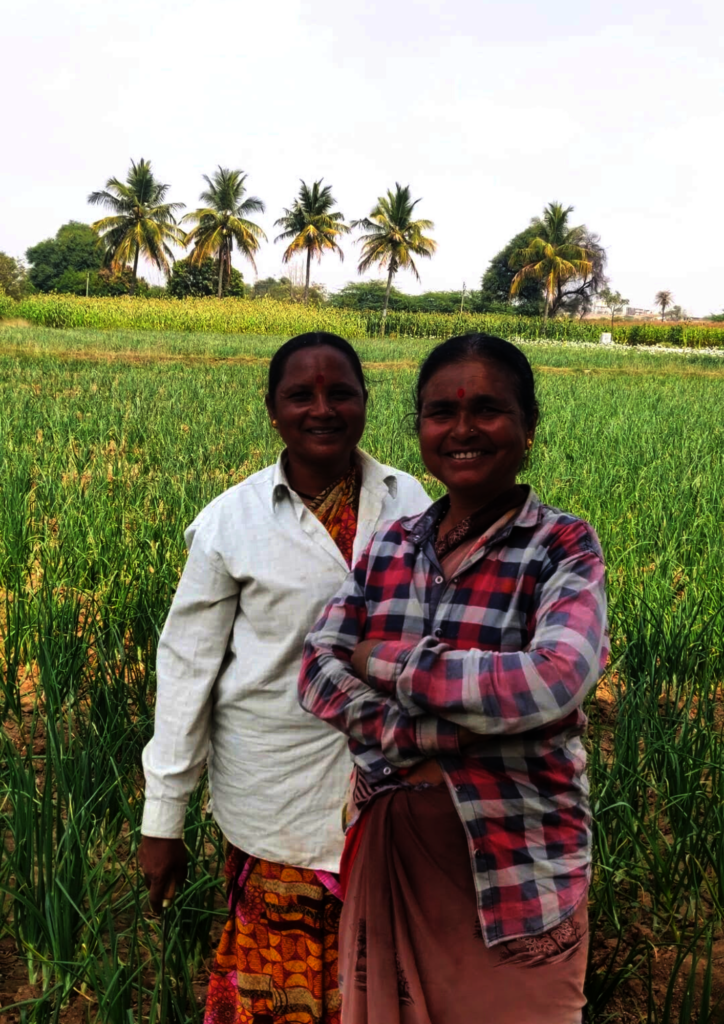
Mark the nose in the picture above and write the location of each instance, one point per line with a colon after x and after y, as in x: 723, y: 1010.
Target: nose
x: 464, y: 426
x: 320, y: 405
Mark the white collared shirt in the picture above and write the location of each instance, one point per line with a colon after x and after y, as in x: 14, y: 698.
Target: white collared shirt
x: 260, y: 570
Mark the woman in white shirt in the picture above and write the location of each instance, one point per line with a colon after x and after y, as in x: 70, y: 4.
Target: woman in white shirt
x: 264, y: 559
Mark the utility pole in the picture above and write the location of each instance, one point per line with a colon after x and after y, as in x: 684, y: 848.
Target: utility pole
x: 87, y: 283
x: 462, y: 297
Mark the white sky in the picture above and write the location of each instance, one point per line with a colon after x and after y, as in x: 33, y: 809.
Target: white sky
x: 487, y: 109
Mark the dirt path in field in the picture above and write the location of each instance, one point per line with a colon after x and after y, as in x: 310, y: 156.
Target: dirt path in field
x: 190, y: 359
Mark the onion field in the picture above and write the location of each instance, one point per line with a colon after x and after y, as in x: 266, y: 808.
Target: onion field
x: 111, y: 442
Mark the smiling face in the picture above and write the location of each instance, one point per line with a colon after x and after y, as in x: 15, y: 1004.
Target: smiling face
x: 319, y: 408
x: 473, y: 433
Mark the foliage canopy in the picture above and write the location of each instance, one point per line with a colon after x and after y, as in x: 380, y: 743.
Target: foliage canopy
x: 75, y: 249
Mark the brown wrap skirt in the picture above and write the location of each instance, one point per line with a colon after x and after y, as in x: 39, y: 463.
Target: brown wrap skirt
x: 411, y: 948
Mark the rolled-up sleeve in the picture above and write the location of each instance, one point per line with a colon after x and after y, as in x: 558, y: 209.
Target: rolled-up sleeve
x: 191, y: 650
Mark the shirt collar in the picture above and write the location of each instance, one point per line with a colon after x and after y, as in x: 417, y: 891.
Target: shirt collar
x: 420, y: 528
x: 374, y: 474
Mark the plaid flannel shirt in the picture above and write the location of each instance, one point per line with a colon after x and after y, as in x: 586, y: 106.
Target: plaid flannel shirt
x: 507, y: 648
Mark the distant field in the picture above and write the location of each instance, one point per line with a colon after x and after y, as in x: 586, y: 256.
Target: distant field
x: 111, y: 442
x: 86, y: 342
x: 266, y: 316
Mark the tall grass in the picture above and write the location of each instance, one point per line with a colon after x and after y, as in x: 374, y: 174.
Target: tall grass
x: 103, y: 464
x: 266, y: 316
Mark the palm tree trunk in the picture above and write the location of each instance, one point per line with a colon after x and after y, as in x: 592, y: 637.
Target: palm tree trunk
x: 135, y: 266
x: 306, y: 283
x: 387, y: 294
x: 547, y: 306
x: 222, y: 254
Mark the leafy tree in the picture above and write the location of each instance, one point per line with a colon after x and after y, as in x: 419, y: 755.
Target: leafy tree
x: 287, y: 290
x: 663, y: 300
x: 370, y: 295
x: 13, y: 277
x: 614, y: 303
x: 677, y: 313
x: 106, y: 282
x: 497, y: 280
x: 74, y: 248
x: 367, y: 295
x: 141, y: 222
x: 312, y: 226
x: 392, y: 237
x: 557, y: 254
x: 223, y: 221
x: 189, y: 279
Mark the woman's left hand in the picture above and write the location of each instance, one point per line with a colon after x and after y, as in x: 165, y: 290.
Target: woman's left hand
x: 359, y: 657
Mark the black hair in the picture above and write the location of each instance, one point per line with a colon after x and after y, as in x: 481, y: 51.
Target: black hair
x: 313, y: 339
x: 489, y: 348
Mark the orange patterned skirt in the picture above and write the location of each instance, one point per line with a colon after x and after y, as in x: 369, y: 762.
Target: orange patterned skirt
x: 277, y: 958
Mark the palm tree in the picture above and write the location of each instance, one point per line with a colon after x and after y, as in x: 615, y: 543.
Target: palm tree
x: 557, y: 254
x: 223, y: 221
x: 393, y: 237
x: 312, y: 226
x: 663, y: 300
x: 142, y: 222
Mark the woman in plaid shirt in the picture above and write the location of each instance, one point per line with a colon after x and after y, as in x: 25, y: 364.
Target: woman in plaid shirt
x: 456, y: 658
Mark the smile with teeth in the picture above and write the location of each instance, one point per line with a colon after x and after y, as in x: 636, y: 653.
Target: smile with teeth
x: 323, y: 430
x: 465, y: 455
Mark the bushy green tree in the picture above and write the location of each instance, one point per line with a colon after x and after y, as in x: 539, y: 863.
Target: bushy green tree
x: 497, y: 280
x: 74, y: 248
x: 285, y: 289
x: 103, y: 283
x: 367, y: 295
x: 190, y: 279
x: 13, y: 277
x: 370, y: 295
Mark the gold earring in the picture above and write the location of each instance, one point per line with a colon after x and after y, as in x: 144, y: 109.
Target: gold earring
x: 530, y: 443
x: 275, y: 424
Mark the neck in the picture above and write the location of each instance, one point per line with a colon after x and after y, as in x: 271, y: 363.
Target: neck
x: 313, y: 479
x: 462, y: 506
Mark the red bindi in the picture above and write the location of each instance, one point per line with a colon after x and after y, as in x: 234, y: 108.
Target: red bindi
x: 461, y: 392
x: 320, y: 378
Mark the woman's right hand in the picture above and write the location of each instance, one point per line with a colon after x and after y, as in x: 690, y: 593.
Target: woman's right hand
x: 163, y: 862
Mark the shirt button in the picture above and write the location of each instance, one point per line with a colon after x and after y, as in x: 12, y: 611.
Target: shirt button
x: 387, y: 771
x: 458, y: 789
x: 438, y: 632
x: 439, y: 579
x: 478, y: 854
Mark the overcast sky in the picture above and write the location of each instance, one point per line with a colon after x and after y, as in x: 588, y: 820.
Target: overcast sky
x: 488, y: 110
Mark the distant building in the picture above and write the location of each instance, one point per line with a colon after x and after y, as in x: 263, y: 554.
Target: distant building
x: 598, y: 310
